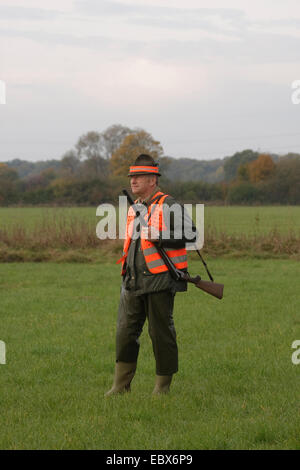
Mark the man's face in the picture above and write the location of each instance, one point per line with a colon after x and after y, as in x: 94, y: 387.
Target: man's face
x: 142, y: 184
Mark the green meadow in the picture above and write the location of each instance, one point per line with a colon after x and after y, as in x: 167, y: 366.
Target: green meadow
x: 229, y: 219
x: 236, y: 388
x: 68, y: 234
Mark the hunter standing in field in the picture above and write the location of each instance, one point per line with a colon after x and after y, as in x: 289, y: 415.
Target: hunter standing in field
x: 148, y: 290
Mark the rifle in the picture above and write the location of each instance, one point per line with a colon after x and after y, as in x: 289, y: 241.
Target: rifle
x: 210, y: 287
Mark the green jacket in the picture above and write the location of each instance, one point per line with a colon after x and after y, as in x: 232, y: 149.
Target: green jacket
x: 138, y: 279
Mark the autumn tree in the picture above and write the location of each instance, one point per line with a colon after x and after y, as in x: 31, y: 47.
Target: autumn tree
x: 102, y: 144
x: 113, y: 137
x: 95, y: 149
x: 8, y: 183
x: 261, y: 168
x: 40, y: 180
x: 70, y: 164
x: 7, y: 174
x: 232, y: 164
x: 132, y: 146
x: 284, y: 185
x: 89, y: 148
x: 243, y: 172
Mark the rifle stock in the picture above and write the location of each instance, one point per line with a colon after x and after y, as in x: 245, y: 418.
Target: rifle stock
x: 209, y: 287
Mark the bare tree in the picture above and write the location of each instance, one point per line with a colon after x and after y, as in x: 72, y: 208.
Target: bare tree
x: 113, y: 137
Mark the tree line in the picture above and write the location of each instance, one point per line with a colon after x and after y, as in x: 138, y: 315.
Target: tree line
x: 95, y: 171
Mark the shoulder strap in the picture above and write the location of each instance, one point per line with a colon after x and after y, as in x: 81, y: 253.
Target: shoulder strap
x: 157, y: 200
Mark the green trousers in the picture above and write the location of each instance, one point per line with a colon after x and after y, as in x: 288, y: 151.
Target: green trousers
x: 157, y: 307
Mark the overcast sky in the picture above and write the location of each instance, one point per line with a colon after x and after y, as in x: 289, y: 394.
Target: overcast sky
x: 205, y: 78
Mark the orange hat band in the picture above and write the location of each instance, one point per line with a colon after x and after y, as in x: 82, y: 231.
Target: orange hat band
x: 144, y: 169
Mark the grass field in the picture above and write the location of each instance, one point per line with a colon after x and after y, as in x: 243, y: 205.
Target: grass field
x: 229, y: 219
x: 69, y: 234
x: 236, y: 388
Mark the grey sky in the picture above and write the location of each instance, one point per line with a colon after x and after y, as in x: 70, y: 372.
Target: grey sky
x: 206, y: 79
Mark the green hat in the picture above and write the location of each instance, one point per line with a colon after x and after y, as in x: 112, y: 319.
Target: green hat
x: 144, y: 165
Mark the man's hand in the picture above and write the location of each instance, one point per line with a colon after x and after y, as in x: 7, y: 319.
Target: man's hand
x: 150, y: 233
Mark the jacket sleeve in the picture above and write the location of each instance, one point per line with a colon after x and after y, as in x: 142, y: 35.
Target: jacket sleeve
x: 180, y: 228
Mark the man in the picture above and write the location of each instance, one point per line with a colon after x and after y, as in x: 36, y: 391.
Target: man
x: 148, y: 289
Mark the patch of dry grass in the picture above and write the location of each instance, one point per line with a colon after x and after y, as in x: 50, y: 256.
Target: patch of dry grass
x: 63, y: 239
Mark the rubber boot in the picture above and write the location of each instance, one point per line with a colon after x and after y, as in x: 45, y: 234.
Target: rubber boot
x: 162, y: 384
x: 124, y: 373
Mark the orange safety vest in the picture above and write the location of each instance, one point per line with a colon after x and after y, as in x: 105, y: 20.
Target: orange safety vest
x: 154, y: 261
